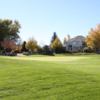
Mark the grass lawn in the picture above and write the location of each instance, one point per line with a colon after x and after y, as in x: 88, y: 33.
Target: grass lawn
x: 50, y: 78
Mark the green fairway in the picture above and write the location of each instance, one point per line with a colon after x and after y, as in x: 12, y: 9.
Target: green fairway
x: 50, y: 78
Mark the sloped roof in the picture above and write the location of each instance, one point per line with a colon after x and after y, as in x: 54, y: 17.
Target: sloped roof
x: 77, y: 38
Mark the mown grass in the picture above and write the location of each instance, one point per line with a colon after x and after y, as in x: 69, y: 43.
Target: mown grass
x: 50, y: 78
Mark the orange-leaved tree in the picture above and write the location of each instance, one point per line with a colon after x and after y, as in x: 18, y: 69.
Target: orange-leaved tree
x: 93, y: 38
x: 32, y: 45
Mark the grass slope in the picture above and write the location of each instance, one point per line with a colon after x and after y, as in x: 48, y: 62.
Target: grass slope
x: 50, y: 78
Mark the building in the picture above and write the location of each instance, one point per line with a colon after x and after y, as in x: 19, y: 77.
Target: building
x: 75, y: 44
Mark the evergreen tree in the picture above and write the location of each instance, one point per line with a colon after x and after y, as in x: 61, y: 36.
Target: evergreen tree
x: 24, y: 49
x: 53, y: 37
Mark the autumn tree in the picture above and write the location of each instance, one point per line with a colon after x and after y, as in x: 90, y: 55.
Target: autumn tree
x: 32, y: 45
x: 93, y: 38
x: 57, y: 45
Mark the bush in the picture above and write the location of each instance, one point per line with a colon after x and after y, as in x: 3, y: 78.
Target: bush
x: 48, y: 51
x: 88, y: 50
x: 17, y: 51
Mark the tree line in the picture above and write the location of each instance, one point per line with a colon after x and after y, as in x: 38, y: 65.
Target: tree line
x: 9, y: 30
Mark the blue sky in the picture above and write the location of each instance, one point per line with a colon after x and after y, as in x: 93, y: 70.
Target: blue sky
x: 40, y: 18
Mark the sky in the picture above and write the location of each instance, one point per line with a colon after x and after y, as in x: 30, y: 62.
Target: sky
x: 40, y: 18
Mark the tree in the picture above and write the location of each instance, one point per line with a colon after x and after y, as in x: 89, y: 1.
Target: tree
x: 57, y: 45
x: 24, y: 49
x: 54, y: 37
x: 93, y: 38
x: 64, y: 42
x: 19, y: 45
x: 9, y: 30
x: 9, y: 44
x: 32, y: 45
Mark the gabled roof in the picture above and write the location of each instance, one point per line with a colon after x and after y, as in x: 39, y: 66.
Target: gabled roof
x: 77, y: 38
